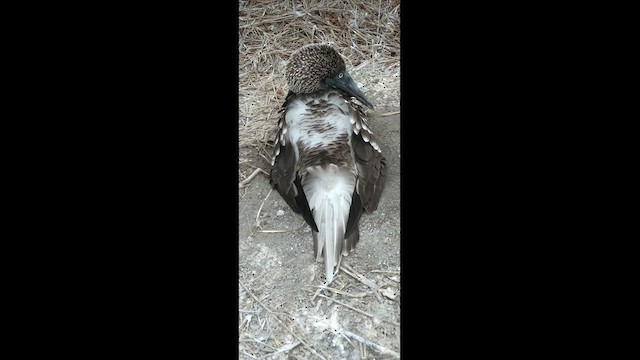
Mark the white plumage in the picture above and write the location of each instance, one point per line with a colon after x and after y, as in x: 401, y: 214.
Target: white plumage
x: 329, y: 190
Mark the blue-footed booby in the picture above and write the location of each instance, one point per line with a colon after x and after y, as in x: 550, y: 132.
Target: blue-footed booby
x: 326, y: 162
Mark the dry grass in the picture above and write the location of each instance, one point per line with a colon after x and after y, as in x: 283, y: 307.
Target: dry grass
x: 366, y: 33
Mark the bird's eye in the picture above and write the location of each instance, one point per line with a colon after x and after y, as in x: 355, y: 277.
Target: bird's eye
x: 340, y: 76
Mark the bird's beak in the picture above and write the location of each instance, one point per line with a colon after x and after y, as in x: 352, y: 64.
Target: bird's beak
x: 347, y: 84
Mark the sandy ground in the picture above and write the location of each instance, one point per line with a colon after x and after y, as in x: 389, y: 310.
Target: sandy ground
x: 283, y: 311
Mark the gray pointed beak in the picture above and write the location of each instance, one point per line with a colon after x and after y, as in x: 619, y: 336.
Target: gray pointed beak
x: 347, y: 84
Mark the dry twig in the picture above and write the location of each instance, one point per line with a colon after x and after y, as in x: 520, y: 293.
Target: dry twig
x: 260, y: 209
x: 385, y: 271
x: 349, y: 271
x: 255, y: 172
x: 358, y: 310
x: 358, y: 294
x: 284, y: 348
x: 379, y: 349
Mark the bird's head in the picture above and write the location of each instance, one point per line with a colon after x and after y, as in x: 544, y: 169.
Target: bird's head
x: 316, y: 67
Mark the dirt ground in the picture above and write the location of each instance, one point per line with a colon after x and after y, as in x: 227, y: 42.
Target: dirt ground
x: 284, y: 313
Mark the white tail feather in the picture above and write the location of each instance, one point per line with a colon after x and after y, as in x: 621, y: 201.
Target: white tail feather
x: 331, y: 226
x: 329, y: 193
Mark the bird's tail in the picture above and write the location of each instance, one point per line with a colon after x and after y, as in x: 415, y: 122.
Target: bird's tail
x: 329, y: 190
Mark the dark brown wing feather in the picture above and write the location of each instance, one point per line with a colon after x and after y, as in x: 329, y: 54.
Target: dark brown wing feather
x: 371, y: 165
x: 283, y: 176
x: 372, y: 169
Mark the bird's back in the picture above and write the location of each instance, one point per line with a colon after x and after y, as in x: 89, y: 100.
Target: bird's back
x: 320, y: 130
x: 326, y: 163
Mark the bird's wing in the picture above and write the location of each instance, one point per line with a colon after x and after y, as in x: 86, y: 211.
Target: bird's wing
x: 284, y: 165
x: 370, y: 163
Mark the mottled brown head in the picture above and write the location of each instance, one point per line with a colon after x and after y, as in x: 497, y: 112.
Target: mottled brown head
x: 316, y: 67
x: 310, y: 65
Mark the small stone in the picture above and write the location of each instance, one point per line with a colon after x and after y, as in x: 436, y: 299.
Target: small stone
x: 279, y: 212
x: 388, y: 292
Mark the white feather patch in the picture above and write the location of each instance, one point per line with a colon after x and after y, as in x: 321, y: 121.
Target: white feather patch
x: 329, y: 192
x: 302, y: 124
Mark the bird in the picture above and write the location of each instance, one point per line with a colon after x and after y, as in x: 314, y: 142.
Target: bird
x: 326, y: 163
